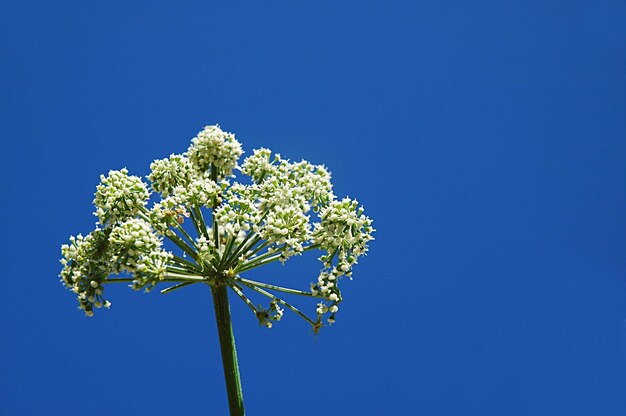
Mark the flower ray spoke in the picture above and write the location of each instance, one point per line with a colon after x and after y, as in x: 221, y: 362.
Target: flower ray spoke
x: 238, y: 290
x: 176, y: 287
x: 279, y: 300
x: 275, y: 287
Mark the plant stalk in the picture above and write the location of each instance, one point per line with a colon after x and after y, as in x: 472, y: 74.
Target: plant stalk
x: 229, y: 352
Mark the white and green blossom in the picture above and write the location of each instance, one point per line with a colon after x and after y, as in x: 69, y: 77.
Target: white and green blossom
x: 259, y: 165
x: 167, y: 174
x: 344, y: 233
x: 151, y: 268
x: 131, y: 241
x: 167, y: 213
x: 199, y: 193
x: 202, y: 228
x: 87, y: 262
x: 119, y: 196
x: 216, y: 150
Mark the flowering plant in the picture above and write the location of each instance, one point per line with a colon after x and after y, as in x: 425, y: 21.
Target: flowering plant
x: 278, y: 209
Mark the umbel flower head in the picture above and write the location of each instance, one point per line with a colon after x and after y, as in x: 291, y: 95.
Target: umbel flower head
x: 206, y: 225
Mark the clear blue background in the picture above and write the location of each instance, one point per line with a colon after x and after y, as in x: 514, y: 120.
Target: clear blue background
x: 487, y: 141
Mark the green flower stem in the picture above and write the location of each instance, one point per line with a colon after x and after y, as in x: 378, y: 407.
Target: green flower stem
x: 170, y: 278
x: 144, y: 214
x: 258, y: 261
x: 257, y: 249
x: 216, y: 235
x: 164, y: 291
x: 241, y: 248
x: 332, y: 256
x: 226, y: 253
x: 120, y: 280
x: 186, y: 234
x: 182, y: 270
x: 279, y: 300
x: 200, y: 219
x: 237, y: 289
x: 184, y: 277
x: 176, y: 287
x: 198, y: 222
x: 182, y: 245
x: 266, y: 258
x: 274, y: 287
x: 187, y: 264
x: 244, y: 247
x: 194, y: 221
x: 229, y: 352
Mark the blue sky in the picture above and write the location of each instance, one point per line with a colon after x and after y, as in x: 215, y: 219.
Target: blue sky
x: 487, y: 140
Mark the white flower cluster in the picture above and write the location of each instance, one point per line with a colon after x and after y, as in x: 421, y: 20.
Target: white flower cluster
x: 314, y: 182
x: 200, y: 192
x: 183, y: 180
x: 282, y: 209
x: 327, y: 287
x: 288, y: 226
x: 151, y: 269
x: 137, y: 249
x: 280, y: 182
x: 175, y: 176
x: 258, y: 166
x: 86, y: 263
x: 344, y: 233
x: 212, y: 146
x: 240, y: 213
x: 167, y: 213
x: 276, y: 204
x: 119, y: 196
x: 167, y: 174
x: 132, y: 240
x: 131, y: 246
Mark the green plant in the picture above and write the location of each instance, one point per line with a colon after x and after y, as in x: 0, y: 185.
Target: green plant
x: 277, y: 210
